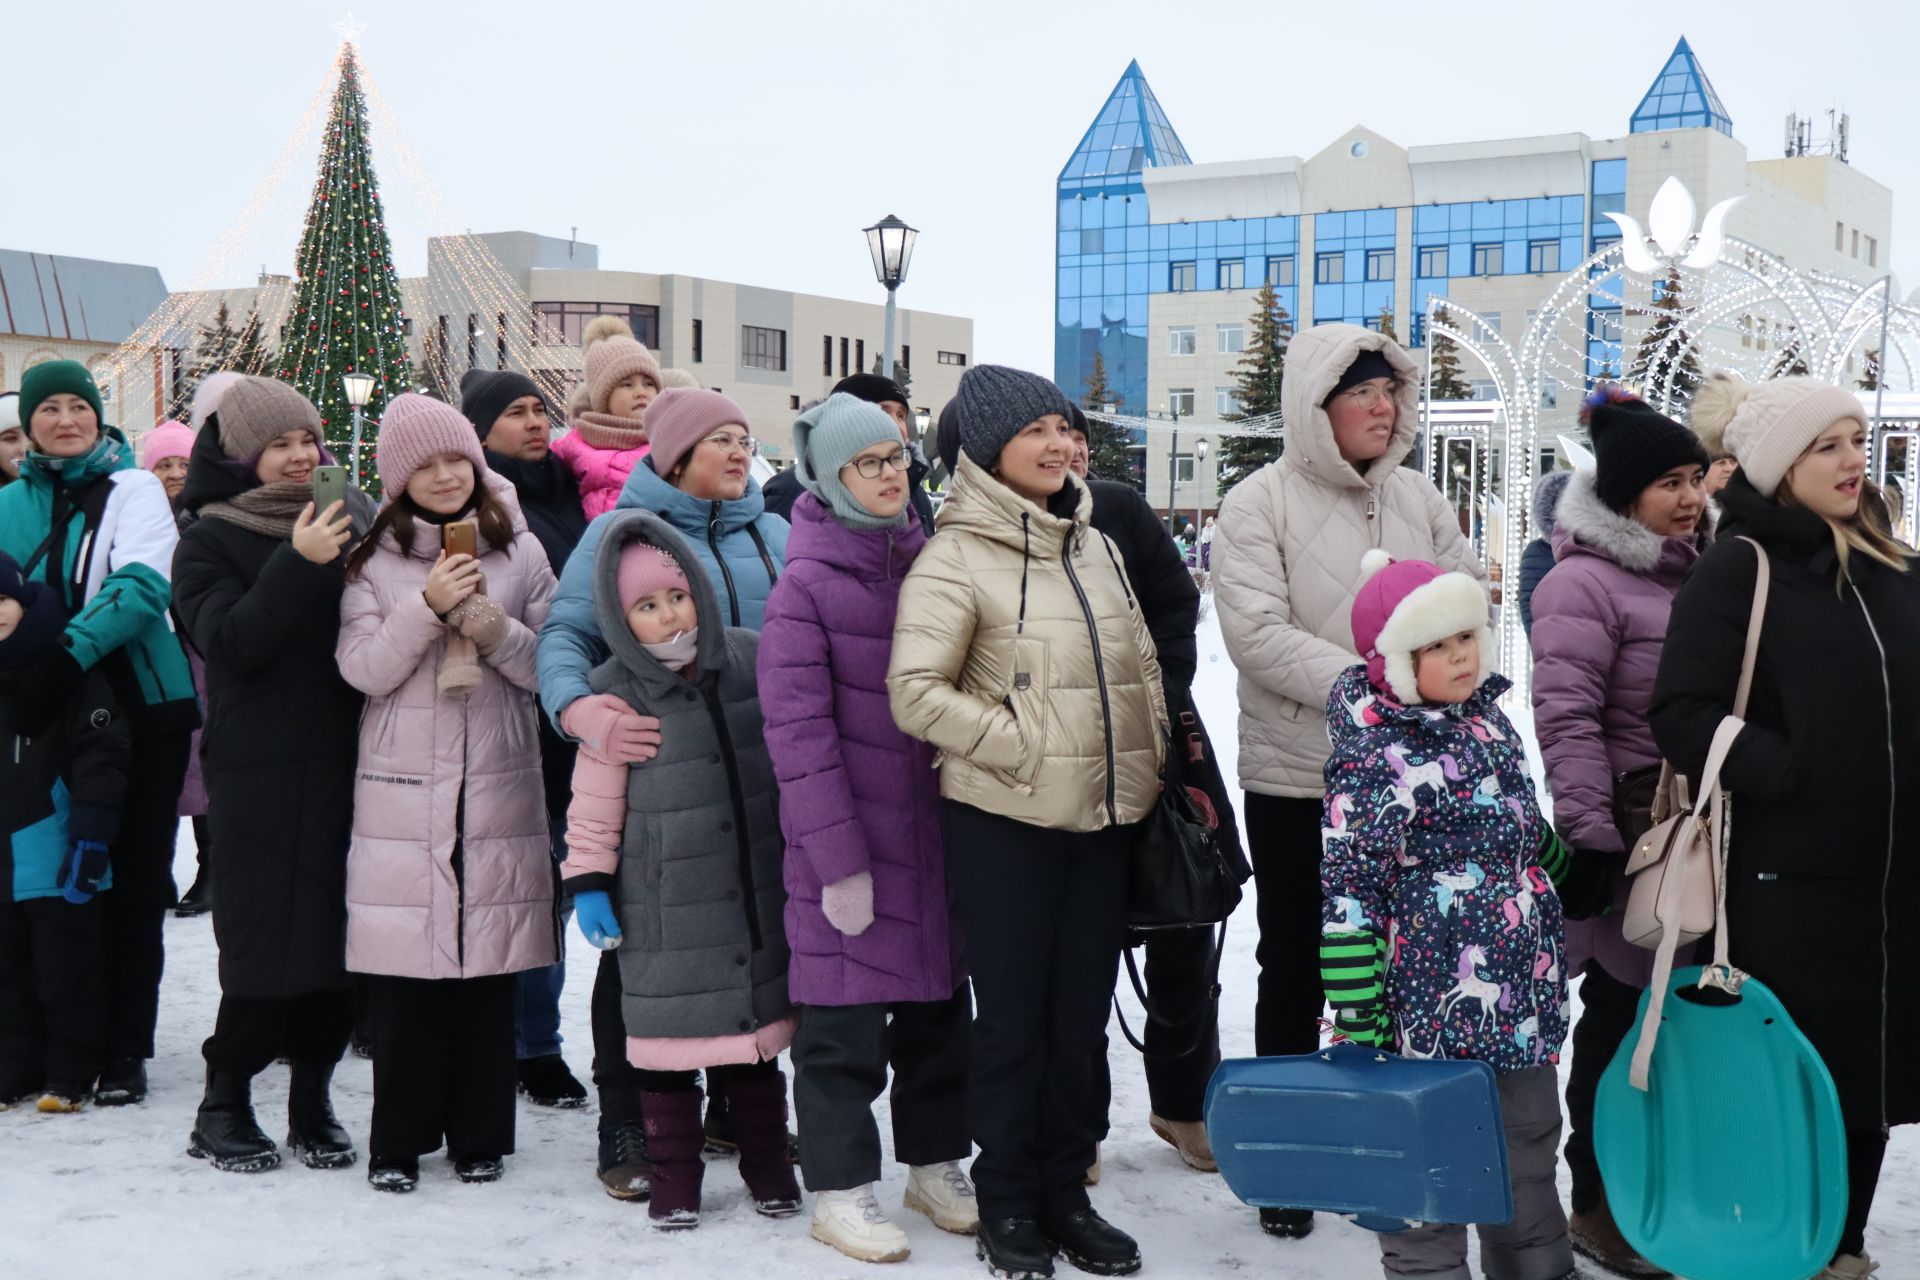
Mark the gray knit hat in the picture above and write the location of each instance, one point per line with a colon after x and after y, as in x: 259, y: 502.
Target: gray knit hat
x: 996, y: 402
x: 825, y: 439
x: 254, y: 411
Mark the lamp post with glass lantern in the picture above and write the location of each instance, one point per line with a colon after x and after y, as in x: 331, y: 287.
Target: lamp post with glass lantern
x: 359, y: 389
x: 1199, y: 492
x: 890, y: 241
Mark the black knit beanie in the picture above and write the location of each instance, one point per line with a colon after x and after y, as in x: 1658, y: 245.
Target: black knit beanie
x: 1366, y: 366
x: 485, y: 395
x: 872, y: 388
x: 1634, y: 444
x: 996, y: 404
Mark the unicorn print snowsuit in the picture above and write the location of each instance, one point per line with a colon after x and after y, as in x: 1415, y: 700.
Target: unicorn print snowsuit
x: 1429, y: 842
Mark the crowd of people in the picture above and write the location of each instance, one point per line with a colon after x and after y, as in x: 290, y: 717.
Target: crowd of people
x: 826, y: 775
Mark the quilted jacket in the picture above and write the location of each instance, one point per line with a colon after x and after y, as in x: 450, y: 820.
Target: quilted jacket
x: 1287, y: 558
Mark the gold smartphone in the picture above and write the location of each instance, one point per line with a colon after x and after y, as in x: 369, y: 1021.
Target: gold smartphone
x: 461, y: 538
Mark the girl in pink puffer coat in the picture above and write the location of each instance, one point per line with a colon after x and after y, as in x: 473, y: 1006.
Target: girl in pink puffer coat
x: 449, y: 877
x: 606, y: 439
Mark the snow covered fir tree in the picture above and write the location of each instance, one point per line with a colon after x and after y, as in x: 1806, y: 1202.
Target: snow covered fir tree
x: 347, y: 315
x: 221, y: 345
x: 1257, y: 380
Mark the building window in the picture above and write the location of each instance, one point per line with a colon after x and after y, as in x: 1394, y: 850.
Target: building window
x: 1839, y: 236
x: 559, y: 324
x: 843, y: 357
x: 1233, y: 273
x: 1379, y: 264
x: 1856, y: 242
x: 406, y: 326
x: 1183, y: 468
x: 1494, y: 320
x: 1873, y: 252
x: 1543, y: 256
x: 1182, y: 277
x: 1233, y: 338
x: 906, y: 356
x: 1180, y: 340
x: 859, y: 355
x: 793, y: 402
x: 763, y: 348
x: 1180, y: 401
x: 1280, y: 271
x: 1419, y: 330
x: 1433, y: 261
x: 1489, y: 259
x: 1226, y: 402
x: 952, y: 357
x: 699, y: 342
x: 1329, y: 268
x: 826, y: 356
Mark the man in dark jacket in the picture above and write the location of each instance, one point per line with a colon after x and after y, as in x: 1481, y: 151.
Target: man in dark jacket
x: 1537, y: 559
x: 781, y: 492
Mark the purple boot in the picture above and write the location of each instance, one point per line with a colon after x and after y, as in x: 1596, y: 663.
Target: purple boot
x: 674, y: 1142
x: 757, y: 1108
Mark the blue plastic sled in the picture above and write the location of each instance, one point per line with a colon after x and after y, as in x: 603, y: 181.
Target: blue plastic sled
x: 1733, y: 1164
x: 1393, y: 1141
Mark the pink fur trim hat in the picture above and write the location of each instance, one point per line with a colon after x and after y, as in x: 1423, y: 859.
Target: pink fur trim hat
x: 1404, y: 605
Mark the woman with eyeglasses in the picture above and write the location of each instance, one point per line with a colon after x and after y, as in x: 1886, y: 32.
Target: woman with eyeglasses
x: 1289, y: 542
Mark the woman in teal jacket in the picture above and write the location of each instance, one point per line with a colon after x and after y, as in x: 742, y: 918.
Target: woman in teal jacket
x: 84, y: 519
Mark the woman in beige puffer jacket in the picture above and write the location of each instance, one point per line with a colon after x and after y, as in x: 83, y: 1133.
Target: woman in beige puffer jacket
x: 1021, y: 654
x: 1286, y: 561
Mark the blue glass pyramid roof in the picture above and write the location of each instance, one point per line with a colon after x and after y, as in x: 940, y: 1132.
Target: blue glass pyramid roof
x: 1130, y: 134
x: 1681, y: 98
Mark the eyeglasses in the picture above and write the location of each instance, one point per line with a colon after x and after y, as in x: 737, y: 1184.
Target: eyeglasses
x: 871, y: 468
x: 1367, y: 394
x: 728, y: 442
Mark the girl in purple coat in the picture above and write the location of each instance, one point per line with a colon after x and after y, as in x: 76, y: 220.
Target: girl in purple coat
x: 1626, y: 535
x: 876, y: 963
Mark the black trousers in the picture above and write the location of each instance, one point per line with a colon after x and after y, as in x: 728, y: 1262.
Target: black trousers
x: 840, y: 1058
x: 1044, y: 912
x: 1283, y: 843
x: 443, y: 1066
x: 1865, y: 1151
x: 133, y: 947
x: 53, y: 996
x: 616, y: 1079
x: 1182, y: 1052
x: 1607, y: 1017
x: 250, y: 1033
x: 689, y: 1081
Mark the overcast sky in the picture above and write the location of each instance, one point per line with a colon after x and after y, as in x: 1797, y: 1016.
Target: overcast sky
x: 751, y: 140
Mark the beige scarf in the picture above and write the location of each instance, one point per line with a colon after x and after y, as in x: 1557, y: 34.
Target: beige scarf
x: 604, y: 431
x: 270, y: 509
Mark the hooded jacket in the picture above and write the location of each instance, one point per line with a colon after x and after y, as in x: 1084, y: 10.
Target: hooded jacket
x: 1600, y: 621
x: 449, y: 874
x: 735, y: 541
x: 109, y: 556
x: 856, y: 794
x: 1430, y: 836
x: 689, y: 842
x: 1823, y: 883
x: 1536, y: 560
x: 1289, y: 541
x: 601, y: 474
x: 1022, y: 655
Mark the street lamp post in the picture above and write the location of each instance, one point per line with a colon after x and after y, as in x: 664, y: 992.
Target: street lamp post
x: 359, y: 388
x: 1199, y: 489
x: 890, y: 241
x: 1173, y: 463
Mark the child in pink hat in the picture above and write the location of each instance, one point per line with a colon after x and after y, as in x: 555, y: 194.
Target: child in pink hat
x: 606, y: 438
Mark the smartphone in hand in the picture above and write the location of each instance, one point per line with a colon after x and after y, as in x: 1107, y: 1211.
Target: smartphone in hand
x: 329, y: 487
x: 461, y: 538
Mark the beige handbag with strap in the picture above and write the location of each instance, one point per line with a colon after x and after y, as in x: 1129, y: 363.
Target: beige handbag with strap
x: 1678, y: 869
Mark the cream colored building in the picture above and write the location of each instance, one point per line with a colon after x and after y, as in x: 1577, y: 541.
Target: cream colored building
x: 54, y: 307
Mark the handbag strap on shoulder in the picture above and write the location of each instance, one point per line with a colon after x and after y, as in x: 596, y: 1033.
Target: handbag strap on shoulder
x: 1762, y: 579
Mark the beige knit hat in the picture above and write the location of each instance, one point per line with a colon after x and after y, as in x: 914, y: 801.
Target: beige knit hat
x: 253, y: 412
x: 677, y: 378
x: 613, y: 354
x: 1767, y: 427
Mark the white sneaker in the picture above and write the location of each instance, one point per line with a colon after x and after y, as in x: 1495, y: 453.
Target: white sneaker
x: 942, y: 1192
x: 1849, y: 1266
x: 851, y: 1221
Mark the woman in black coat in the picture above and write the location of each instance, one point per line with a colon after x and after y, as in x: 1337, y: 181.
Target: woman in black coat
x: 257, y: 586
x: 1823, y: 873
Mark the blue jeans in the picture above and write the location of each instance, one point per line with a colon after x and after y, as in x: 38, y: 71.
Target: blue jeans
x: 536, y: 1024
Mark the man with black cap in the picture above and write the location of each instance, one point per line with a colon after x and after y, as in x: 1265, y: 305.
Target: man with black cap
x: 781, y: 492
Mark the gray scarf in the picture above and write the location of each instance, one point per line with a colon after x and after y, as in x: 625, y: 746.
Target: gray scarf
x: 269, y: 510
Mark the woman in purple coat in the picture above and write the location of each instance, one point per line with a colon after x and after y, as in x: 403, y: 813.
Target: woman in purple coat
x: 876, y: 964
x: 1626, y: 534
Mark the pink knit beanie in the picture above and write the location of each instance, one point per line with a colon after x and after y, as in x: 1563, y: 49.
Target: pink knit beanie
x: 168, y: 440
x: 645, y: 569
x: 612, y: 355
x: 679, y: 419
x: 413, y: 429
x: 1404, y: 605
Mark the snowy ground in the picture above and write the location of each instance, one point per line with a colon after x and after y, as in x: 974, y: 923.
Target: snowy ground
x: 109, y: 1193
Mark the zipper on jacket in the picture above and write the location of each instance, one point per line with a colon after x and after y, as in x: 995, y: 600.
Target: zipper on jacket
x: 1886, y: 870
x: 738, y: 797
x: 1099, y: 669
x: 726, y: 574
x: 101, y: 601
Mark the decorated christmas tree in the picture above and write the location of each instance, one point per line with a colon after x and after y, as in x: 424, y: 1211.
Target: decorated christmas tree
x: 347, y: 315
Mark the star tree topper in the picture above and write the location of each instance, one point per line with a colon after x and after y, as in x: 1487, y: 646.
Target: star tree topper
x: 349, y: 28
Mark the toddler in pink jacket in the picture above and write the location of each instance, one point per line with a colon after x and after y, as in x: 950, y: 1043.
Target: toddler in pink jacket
x: 607, y: 439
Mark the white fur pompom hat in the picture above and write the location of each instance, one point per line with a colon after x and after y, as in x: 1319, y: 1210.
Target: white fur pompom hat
x: 1404, y: 605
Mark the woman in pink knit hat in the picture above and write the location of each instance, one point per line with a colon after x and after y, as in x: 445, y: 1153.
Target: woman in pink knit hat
x: 164, y: 452
x: 607, y: 439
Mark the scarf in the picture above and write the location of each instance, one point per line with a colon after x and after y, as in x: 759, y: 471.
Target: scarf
x: 604, y: 431
x: 678, y: 653
x: 269, y: 510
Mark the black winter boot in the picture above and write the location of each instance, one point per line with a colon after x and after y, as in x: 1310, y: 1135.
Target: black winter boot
x: 225, y: 1131
x: 1093, y: 1244
x: 757, y: 1108
x: 1288, y: 1224
x: 314, y: 1133
x: 546, y: 1082
x: 1014, y: 1248
x: 123, y: 1083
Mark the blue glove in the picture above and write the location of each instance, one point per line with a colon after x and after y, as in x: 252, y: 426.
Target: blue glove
x: 593, y: 910
x: 83, y: 871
